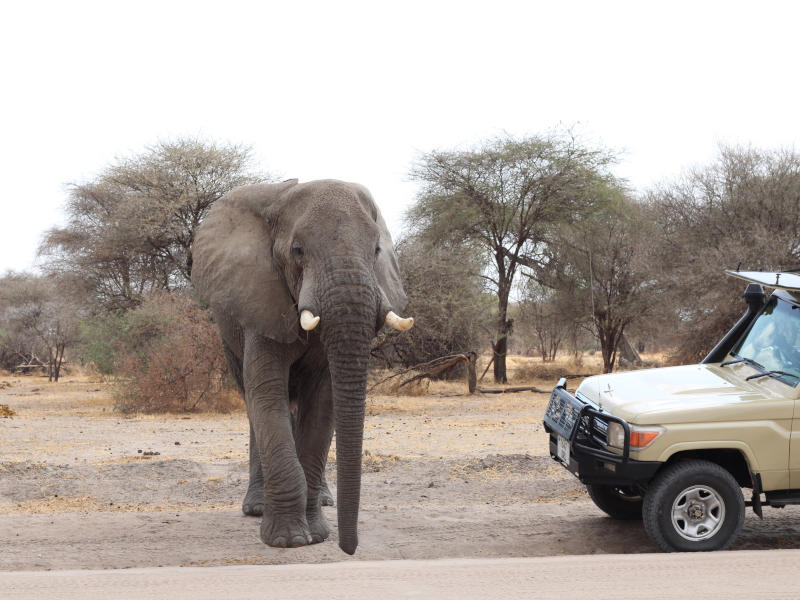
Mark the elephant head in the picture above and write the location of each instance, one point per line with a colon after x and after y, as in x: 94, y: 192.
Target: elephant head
x: 283, y: 259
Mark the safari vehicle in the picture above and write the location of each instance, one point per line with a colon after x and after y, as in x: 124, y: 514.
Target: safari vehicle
x: 676, y: 446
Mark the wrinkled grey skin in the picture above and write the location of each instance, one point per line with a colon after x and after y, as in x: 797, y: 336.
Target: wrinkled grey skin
x: 263, y: 254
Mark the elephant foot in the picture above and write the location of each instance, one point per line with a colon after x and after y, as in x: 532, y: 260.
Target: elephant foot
x: 318, y: 525
x: 325, y: 496
x: 282, y: 532
x: 253, y: 504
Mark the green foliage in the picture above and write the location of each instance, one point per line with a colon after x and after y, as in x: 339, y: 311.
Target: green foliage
x: 100, y: 338
x: 601, y: 267
x: 506, y: 197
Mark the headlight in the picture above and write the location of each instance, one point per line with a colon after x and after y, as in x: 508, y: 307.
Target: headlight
x: 616, y: 435
x: 641, y: 437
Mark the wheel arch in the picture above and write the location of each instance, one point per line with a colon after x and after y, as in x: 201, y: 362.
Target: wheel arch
x: 733, y: 459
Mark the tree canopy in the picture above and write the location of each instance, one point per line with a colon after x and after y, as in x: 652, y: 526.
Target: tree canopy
x: 603, y: 268
x: 130, y: 230
x: 743, y: 209
x: 506, y: 197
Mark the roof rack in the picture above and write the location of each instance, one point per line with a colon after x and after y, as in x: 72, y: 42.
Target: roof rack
x: 781, y: 280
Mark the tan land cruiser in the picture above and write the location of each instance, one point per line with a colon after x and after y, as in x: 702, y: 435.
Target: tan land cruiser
x: 675, y: 446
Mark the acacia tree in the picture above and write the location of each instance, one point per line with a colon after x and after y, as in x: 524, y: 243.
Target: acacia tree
x: 505, y: 196
x: 446, y: 297
x: 130, y: 230
x: 603, y: 264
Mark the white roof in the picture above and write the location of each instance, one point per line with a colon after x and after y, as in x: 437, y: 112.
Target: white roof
x: 774, y: 279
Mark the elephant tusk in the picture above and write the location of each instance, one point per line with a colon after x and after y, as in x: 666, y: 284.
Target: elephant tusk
x: 399, y: 323
x: 308, y: 321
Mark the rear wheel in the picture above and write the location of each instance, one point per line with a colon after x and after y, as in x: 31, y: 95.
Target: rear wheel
x: 621, y: 503
x: 693, y: 506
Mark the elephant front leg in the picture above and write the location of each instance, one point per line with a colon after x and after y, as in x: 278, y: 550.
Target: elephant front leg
x: 253, y: 504
x: 314, y: 434
x: 266, y: 374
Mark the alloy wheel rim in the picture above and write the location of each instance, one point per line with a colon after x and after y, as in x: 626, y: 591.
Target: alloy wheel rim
x: 698, y: 512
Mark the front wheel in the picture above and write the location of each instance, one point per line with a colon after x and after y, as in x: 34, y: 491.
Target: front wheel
x: 693, y: 506
x: 621, y: 503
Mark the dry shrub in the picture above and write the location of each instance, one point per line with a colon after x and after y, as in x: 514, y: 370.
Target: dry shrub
x: 522, y: 369
x: 171, y: 360
x: 6, y: 411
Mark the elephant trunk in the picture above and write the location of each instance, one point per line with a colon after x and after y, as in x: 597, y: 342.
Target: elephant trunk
x: 348, y: 305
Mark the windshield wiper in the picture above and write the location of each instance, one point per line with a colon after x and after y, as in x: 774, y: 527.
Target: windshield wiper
x: 749, y: 361
x: 772, y: 374
x: 731, y: 362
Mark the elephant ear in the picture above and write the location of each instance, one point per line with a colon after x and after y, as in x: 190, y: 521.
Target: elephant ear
x: 387, y: 269
x: 233, y: 268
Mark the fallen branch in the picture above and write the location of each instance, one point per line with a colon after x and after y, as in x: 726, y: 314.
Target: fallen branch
x: 511, y: 390
x: 487, y: 368
x: 437, y: 366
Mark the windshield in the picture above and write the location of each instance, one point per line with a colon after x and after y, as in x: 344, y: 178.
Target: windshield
x: 773, y: 341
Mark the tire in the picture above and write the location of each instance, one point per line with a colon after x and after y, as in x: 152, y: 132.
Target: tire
x: 693, y: 506
x: 620, y: 503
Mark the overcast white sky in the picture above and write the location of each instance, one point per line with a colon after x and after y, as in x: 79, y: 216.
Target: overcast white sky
x: 356, y: 90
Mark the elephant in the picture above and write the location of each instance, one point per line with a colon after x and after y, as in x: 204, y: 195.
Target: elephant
x: 300, y: 277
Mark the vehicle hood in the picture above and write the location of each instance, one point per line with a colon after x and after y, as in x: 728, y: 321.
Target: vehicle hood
x: 686, y: 394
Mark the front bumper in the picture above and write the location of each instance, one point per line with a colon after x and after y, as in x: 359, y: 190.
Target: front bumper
x: 580, y: 426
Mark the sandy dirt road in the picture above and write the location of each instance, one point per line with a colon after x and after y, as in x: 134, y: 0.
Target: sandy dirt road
x: 752, y: 574
x: 444, y: 477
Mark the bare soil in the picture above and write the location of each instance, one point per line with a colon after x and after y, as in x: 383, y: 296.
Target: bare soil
x: 446, y: 475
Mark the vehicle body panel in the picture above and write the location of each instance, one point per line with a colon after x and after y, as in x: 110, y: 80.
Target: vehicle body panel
x: 707, y: 406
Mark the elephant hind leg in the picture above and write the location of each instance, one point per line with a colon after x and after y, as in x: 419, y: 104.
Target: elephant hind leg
x: 235, y: 367
x: 253, y: 503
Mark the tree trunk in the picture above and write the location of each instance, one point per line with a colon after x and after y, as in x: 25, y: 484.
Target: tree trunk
x: 472, y: 375
x: 609, y: 340
x: 503, y: 330
x: 500, y: 350
x: 627, y: 351
x: 505, y: 278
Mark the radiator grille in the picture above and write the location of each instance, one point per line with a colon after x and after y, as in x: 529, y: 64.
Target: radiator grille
x: 562, y: 412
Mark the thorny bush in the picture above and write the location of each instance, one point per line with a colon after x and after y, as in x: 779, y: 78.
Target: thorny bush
x: 170, y: 359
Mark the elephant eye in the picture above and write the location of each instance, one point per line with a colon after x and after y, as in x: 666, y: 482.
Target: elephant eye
x: 377, y: 250
x: 297, y: 250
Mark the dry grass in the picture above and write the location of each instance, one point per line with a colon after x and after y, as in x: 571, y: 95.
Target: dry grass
x: 371, y: 462
x: 525, y: 369
x: 57, y: 504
